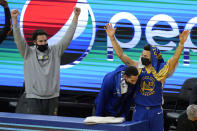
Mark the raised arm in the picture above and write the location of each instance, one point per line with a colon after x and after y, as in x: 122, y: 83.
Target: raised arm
x: 20, y: 41
x: 68, y: 36
x: 7, y: 28
x: 119, y: 52
x: 174, y: 60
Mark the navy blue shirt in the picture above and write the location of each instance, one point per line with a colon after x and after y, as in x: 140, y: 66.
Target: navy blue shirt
x: 7, y: 28
x: 110, y: 101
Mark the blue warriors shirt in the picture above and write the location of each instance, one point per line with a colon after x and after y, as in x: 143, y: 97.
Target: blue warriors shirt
x: 149, y: 86
x: 149, y: 89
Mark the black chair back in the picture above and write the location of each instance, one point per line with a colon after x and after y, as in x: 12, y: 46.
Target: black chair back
x: 187, y: 89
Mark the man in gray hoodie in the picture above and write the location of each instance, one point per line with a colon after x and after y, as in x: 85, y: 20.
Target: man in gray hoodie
x: 41, y: 68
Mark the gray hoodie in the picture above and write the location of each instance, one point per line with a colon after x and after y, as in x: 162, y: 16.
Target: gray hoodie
x: 42, y: 69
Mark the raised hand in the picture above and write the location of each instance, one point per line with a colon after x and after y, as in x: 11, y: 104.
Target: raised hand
x: 110, y: 30
x: 4, y: 3
x: 183, y: 36
x: 14, y: 13
x: 77, y: 11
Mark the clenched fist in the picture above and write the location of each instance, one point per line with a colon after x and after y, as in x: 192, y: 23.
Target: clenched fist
x: 14, y: 13
x: 77, y: 11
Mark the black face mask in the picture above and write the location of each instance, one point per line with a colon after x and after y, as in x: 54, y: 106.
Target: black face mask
x: 145, y: 61
x: 129, y: 84
x: 42, y: 48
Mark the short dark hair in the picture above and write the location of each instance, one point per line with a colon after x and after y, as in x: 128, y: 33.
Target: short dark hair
x: 38, y: 32
x: 147, y: 47
x: 131, y: 71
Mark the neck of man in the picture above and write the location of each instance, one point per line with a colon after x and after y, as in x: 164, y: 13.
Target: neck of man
x: 148, y: 67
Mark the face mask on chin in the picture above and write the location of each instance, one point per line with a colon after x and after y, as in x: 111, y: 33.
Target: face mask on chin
x: 145, y: 61
x: 129, y: 84
x: 42, y: 48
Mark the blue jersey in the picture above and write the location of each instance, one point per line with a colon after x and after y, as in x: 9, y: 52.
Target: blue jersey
x: 110, y: 101
x: 149, y: 89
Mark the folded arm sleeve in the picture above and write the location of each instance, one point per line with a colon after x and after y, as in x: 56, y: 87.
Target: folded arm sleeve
x: 67, y: 38
x: 20, y: 41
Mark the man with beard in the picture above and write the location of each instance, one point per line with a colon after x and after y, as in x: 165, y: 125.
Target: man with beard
x: 151, y: 79
x: 117, y: 91
x: 41, y: 68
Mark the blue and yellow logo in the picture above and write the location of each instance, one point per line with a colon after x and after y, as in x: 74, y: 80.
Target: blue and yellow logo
x: 147, y: 86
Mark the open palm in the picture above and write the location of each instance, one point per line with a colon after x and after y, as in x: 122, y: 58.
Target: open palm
x: 183, y: 36
x: 110, y: 30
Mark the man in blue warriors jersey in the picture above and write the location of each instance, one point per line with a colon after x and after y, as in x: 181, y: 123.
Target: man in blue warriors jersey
x: 151, y: 79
